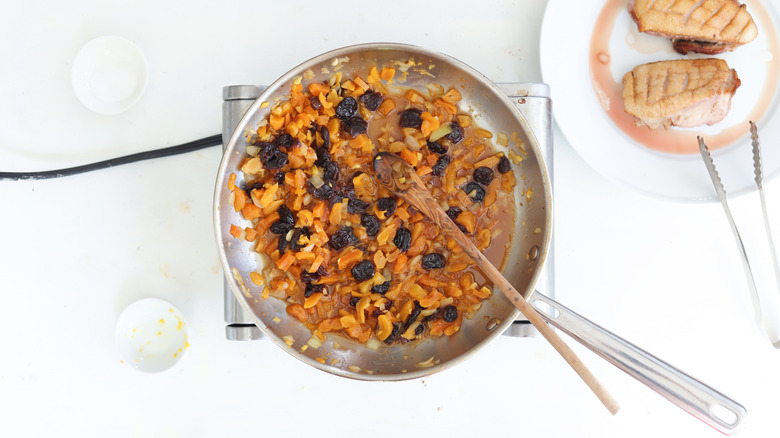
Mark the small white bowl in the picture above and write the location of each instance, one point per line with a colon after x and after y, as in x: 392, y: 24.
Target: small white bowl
x: 151, y: 335
x: 109, y: 74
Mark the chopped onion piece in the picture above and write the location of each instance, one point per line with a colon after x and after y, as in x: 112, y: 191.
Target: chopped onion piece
x: 412, y: 143
x: 252, y: 150
x: 314, y: 342
x: 373, y: 344
x: 434, y: 90
x: 316, y: 181
x: 441, y: 131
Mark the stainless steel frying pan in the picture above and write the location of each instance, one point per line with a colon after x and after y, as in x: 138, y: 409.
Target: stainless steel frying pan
x: 531, y: 238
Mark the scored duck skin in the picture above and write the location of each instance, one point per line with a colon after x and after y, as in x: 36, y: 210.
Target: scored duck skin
x: 684, y: 93
x: 700, y: 26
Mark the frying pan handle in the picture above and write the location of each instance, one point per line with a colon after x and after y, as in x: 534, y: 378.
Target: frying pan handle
x: 693, y: 396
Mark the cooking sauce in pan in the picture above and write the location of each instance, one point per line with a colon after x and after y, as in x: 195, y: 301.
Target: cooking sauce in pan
x: 393, y: 278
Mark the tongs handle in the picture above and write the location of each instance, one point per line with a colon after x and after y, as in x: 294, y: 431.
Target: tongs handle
x: 771, y: 320
x: 693, y: 396
x: 766, y: 306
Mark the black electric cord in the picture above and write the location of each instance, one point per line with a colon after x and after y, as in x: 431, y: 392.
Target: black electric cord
x: 192, y: 146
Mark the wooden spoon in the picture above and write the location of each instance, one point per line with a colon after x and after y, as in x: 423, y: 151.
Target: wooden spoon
x: 398, y: 177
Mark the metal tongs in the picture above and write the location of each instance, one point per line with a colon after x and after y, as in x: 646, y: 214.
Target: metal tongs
x: 769, y: 320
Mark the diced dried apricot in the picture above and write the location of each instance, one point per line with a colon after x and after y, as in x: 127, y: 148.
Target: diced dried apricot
x: 409, y: 156
x: 468, y: 220
x: 387, y: 73
x: 285, y: 261
x: 250, y: 211
x: 385, y: 327
x: 298, y: 312
x: 387, y: 106
x: 312, y: 300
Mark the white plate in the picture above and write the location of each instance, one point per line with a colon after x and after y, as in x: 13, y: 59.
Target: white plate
x: 565, y: 53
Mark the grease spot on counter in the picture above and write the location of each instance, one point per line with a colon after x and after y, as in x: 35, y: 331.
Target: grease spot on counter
x: 185, y: 207
x: 164, y: 269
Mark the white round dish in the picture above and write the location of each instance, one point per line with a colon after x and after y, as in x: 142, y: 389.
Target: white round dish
x: 151, y: 335
x: 109, y: 74
x: 565, y: 63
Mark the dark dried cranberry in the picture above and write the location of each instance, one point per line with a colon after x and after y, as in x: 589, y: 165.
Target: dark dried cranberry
x: 279, y: 177
x: 441, y: 165
x: 281, y: 228
x: 382, y: 288
x: 394, y: 334
x: 295, y: 243
x: 354, y: 126
x: 323, y: 157
x: 475, y: 191
x: 330, y: 172
x: 450, y: 313
x: 353, y: 301
x: 363, y: 271
x: 322, y: 272
x: 308, y: 277
x: 433, y: 260
x: 371, y: 100
x: 412, y: 315
x: 483, y: 175
x: 387, y: 205
x: 325, y: 135
x: 264, y: 149
x: 457, y: 133
x: 356, y: 206
x: 504, y: 165
x: 312, y: 289
x: 437, y: 148
x: 315, y: 103
x: 342, y: 238
x: 371, y: 223
x: 419, y: 330
x: 410, y: 118
x: 403, y: 239
x: 285, y: 215
x: 276, y: 159
x: 271, y: 156
x: 453, y: 212
x: 253, y: 186
x: 284, y: 140
x: 345, y: 189
x: 324, y: 192
x: 346, y: 108
x: 282, y: 245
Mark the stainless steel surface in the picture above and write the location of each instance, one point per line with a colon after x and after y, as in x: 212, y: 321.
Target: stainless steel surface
x: 533, y: 102
x: 343, y: 356
x: 721, y: 191
x: 243, y: 332
x: 757, y: 167
x: 693, y: 396
x: 237, y: 99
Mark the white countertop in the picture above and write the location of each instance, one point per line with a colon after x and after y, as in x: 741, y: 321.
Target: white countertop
x: 77, y: 250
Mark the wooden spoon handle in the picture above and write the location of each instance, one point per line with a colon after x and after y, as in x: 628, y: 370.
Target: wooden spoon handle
x: 422, y: 199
